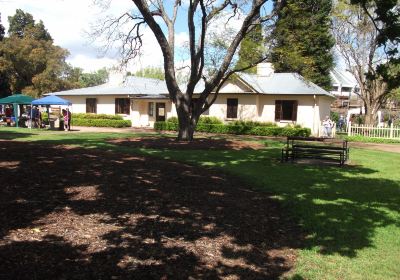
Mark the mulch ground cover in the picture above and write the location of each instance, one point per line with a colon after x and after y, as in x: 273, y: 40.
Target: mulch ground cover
x: 196, y: 144
x: 74, y: 213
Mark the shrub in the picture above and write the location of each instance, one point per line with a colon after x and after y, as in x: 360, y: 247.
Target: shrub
x: 239, y: 129
x: 101, y: 122
x: 209, y: 120
x: 334, y: 117
x: 96, y: 116
x: 173, y: 120
x: 365, y: 139
x: 251, y: 123
x: 45, y: 117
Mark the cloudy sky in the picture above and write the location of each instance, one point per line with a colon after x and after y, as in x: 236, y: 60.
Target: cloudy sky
x: 68, y: 22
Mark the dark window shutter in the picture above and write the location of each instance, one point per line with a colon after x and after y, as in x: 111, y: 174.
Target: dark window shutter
x: 91, y: 105
x: 116, y: 105
x: 294, y: 113
x: 232, y: 108
x: 278, y: 110
x: 126, y: 106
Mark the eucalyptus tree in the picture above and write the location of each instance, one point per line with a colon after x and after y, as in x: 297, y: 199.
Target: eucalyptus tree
x: 211, y: 58
x: 358, y: 41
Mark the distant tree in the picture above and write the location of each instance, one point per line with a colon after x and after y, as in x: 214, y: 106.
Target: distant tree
x: 151, y: 72
x: 22, y: 24
x: 29, y: 61
x: 251, y: 49
x: 1, y: 30
x: 4, y: 83
x: 385, y: 17
x: 358, y: 43
x: 94, y: 78
x: 302, y: 40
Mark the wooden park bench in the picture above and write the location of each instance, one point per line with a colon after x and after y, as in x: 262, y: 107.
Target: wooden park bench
x: 315, y: 148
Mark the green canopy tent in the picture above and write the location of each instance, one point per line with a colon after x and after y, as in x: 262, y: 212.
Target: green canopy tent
x: 17, y: 99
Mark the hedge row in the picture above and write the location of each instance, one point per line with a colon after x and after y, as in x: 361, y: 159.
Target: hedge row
x: 239, y: 129
x: 96, y: 116
x: 101, y: 122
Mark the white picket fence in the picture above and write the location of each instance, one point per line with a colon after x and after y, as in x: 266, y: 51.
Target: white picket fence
x: 392, y: 132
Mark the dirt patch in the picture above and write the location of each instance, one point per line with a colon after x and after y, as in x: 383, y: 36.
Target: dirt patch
x: 196, y: 144
x: 88, y: 214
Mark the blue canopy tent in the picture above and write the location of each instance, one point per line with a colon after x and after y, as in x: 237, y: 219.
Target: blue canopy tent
x: 50, y: 100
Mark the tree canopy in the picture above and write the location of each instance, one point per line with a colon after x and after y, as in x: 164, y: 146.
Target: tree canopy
x: 4, y: 84
x: 251, y: 49
x: 94, y: 78
x: 302, y: 40
x: 151, y: 72
x: 358, y: 42
x: 23, y: 25
x: 30, y: 62
x: 1, y: 30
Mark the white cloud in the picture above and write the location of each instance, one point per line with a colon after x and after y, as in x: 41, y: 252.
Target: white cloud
x: 67, y: 21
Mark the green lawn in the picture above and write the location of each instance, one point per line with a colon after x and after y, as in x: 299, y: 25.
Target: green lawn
x: 350, y: 215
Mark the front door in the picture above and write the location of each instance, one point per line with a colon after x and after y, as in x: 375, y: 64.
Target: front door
x: 160, y: 112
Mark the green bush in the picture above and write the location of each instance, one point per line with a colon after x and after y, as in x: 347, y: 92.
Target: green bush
x: 45, y: 117
x: 173, y: 120
x: 101, y: 122
x: 239, y: 129
x: 96, y: 116
x: 251, y: 123
x: 365, y: 139
x: 202, y: 120
x: 335, y: 117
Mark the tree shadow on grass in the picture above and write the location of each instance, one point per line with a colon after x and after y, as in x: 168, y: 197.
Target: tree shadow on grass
x: 12, y: 135
x: 86, y: 214
x: 340, y: 208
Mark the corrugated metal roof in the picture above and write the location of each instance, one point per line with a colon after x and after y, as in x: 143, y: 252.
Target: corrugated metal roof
x: 131, y: 85
x: 283, y: 83
x: 344, y: 78
x: 277, y: 83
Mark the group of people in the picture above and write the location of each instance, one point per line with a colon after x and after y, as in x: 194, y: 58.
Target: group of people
x: 36, y: 117
x: 328, y: 125
x: 33, y: 116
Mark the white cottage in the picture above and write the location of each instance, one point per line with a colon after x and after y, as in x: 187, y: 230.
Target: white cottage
x: 282, y: 98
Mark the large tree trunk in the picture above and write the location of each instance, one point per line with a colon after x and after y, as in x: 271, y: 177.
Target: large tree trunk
x: 370, y: 114
x: 186, y: 130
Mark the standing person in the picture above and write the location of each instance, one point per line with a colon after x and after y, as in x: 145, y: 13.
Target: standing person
x: 341, y: 123
x: 327, y: 124
x: 35, y: 116
x: 67, y: 119
x: 8, y: 115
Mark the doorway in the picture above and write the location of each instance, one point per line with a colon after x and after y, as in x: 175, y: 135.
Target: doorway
x: 160, y: 112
